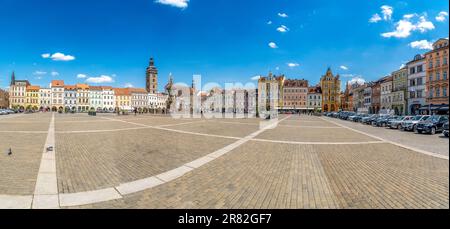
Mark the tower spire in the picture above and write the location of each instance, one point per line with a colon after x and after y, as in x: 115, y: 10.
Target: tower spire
x: 13, y: 78
x: 152, y: 62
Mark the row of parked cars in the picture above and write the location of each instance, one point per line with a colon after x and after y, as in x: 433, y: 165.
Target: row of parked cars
x: 430, y: 124
x: 7, y: 111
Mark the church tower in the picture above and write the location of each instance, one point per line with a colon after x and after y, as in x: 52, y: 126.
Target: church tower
x: 151, y: 78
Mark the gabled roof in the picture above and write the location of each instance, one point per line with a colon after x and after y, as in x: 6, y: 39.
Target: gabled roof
x: 57, y: 83
x: 31, y: 87
x: 82, y: 86
x: 121, y: 91
x: 70, y: 87
x: 138, y: 90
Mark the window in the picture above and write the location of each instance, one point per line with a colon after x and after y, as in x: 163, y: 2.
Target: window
x: 431, y: 93
x: 419, y: 81
x: 412, y: 70
x: 420, y: 68
x: 444, y: 91
x: 438, y: 92
x: 438, y: 76
x: 431, y: 77
x: 444, y: 74
x: 412, y: 94
x: 419, y: 94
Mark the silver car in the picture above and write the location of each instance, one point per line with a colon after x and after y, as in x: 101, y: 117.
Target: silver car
x: 411, y: 125
x: 397, y: 123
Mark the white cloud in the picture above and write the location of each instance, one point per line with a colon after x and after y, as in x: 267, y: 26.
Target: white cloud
x: 81, y: 76
x: 343, y: 67
x: 273, y: 45
x: 402, y: 66
x: 254, y: 78
x: 277, y: 68
x: 293, y: 65
x: 375, y: 18
x: 39, y: 73
x: 58, y: 56
x: 357, y: 80
x: 283, y: 15
x: 62, y: 57
x: 269, y: 22
x: 403, y: 29
x: 409, y: 16
x: 100, y: 79
x: 387, y: 12
x: 441, y: 16
x: 424, y: 25
x: 176, y: 3
x: 128, y: 85
x: 282, y: 29
x: 422, y: 44
x: 54, y: 73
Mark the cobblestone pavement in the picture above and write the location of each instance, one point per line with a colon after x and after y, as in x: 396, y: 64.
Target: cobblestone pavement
x: 281, y: 168
x: 88, y: 162
x: 269, y: 175
x: 18, y: 171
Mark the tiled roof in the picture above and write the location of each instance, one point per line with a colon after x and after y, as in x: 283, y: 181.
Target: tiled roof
x: 70, y: 87
x: 33, y: 87
x: 121, y: 91
x: 138, y: 90
x: 82, y: 86
x: 57, y: 83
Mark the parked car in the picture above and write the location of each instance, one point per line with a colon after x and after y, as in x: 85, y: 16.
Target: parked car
x: 344, y: 115
x: 445, y: 132
x: 397, y: 123
x: 379, y: 120
x: 359, y: 117
x: 3, y: 112
x: 432, y: 125
x: 383, y: 120
x: 352, y: 117
x: 411, y: 125
x: 368, y: 119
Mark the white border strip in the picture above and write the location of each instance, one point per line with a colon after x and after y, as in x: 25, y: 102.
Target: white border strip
x: 89, y: 197
x: 46, y: 189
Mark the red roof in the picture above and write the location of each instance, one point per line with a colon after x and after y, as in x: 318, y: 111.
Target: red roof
x: 57, y: 83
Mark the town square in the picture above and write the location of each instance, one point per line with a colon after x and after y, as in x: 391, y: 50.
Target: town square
x: 155, y: 161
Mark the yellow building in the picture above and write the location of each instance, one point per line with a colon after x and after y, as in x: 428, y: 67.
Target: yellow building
x: 331, y: 88
x: 32, y: 98
x: 123, y: 99
x: 271, y: 92
x: 17, y: 93
x: 82, y: 97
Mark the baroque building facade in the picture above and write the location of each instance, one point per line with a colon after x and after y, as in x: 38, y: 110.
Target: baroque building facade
x: 437, y: 77
x: 331, y: 87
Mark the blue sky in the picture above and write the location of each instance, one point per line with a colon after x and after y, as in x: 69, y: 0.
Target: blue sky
x: 111, y: 41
